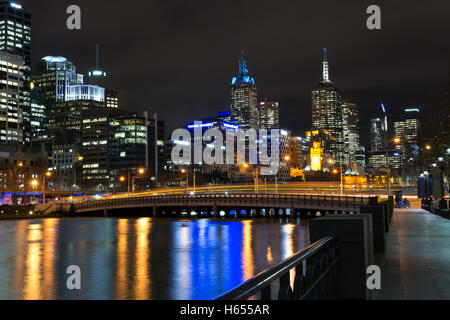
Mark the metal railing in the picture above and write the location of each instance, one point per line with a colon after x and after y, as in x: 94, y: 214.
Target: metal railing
x: 285, y: 198
x: 319, y: 281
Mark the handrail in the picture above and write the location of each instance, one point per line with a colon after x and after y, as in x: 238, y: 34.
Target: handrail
x: 345, y: 200
x: 319, y: 281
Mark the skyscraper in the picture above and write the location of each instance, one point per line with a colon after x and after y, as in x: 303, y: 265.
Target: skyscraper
x: 98, y: 77
x: 244, y: 98
x: 269, y: 115
x: 327, y: 112
x: 54, y: 75
x: 11, y: 112
x: 350, y: 119
x: 377, y: 136
x: 15, y: 38
x: 408, y: 130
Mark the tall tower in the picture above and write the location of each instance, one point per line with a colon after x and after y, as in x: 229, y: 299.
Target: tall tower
x: 326, y: 68
x: 15, y: 38
x: 350, y: 118
x: 244, y: 98
x: 327, y: 112
x: 377, y: 135
x: 97, y: 76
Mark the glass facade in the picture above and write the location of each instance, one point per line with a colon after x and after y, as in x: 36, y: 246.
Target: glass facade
x: 11, y: 88
x: 15, y: 39
x: 244, y: 99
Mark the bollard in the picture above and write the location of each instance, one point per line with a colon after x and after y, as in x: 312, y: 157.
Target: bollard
x: 378, y: 219
x: 355, y: 250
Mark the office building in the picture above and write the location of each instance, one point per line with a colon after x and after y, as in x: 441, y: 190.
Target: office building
x: 66, y: 160
x: 377, y: 136
x: 55, y: 75
x: 269, y: 115
x: 224, y: 116
x: 408, y: 131
x: 20, y: 164
x: 37, y: 114
x: 360, y: 157
x: 244, y: 98
x: 327, y: 112
x: 11, y: 90
x: 85, y: 92
x: 136, y: 142
x: 350, y: 118
x: 15, y: 39
x: 95, y: 140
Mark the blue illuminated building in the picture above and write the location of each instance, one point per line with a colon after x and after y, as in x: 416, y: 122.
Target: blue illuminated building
x: 244, y: 98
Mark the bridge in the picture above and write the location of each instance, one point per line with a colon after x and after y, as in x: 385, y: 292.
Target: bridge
x: 253, y: 204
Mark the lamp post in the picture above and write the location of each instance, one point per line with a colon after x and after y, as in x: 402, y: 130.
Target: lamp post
x: 16, y: 175
x: 256, y: 179
x: 341, y: 187
x: 185, y: 171
x: 131, y: 189
x: 47, y: 174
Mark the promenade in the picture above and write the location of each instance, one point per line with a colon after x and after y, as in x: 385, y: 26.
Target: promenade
x: 416, y: 265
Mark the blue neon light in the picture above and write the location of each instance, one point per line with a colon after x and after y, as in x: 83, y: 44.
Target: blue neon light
x: 245, y: 79
x: 231, y: 126
x: 384, y: 108
x: 224, y: 113
x: 205, y: 125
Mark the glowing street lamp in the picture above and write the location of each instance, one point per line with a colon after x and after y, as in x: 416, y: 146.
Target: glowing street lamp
x: 34, y: 183
x: 184, y: 171
x: 48, y: 174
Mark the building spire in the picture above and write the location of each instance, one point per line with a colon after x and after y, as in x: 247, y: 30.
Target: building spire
x: 326, y: 69
x: 96, y: 56
x: 242, y: 65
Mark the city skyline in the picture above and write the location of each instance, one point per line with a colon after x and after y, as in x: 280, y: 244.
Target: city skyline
x: 284, y: 71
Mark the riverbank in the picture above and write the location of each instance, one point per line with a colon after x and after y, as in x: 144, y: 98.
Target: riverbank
x: 31, y: 212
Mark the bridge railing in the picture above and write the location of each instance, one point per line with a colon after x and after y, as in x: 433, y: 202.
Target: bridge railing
x: 244, y: 196
x: 316, y: 276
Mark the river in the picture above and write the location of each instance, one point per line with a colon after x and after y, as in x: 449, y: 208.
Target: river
x: 140, y: 258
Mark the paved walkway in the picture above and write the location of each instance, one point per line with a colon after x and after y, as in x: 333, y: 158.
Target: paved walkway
x: 416, y: 265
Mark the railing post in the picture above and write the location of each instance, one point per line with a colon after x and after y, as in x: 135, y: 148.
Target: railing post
x: 266, y: 293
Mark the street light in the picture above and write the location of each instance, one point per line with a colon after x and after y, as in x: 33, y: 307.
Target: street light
x: 48, y: 174
x: 34, y: 183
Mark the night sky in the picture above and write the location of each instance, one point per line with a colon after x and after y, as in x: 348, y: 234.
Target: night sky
x: 177, y: 58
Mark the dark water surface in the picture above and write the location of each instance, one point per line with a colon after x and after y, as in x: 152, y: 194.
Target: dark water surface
x: 142, y: 258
